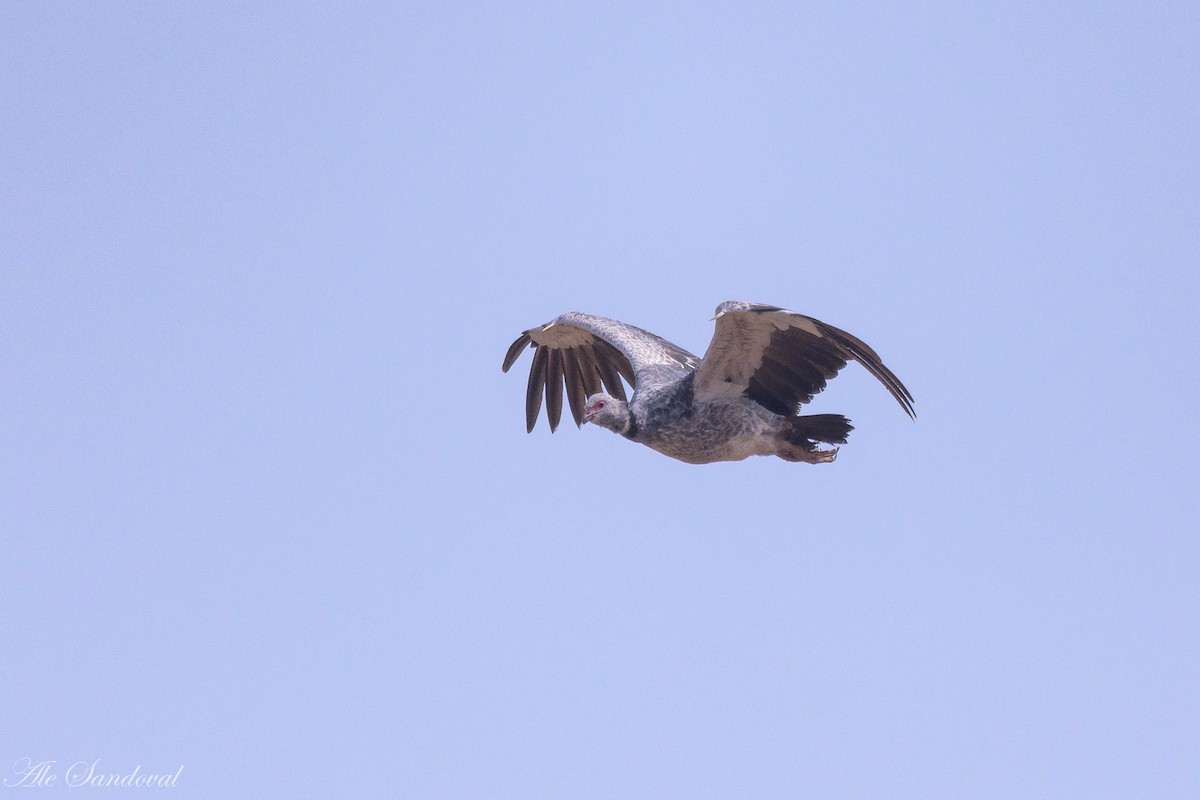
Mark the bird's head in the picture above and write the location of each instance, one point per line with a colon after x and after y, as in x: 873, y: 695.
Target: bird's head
x: 607, y: 412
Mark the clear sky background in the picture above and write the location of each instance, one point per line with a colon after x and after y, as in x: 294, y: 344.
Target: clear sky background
x: 268, y: 506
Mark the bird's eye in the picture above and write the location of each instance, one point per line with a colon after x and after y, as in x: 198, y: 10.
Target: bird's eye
x: 600, y: 404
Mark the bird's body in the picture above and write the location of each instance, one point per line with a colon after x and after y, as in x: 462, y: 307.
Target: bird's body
x: 740, y: 400
x: 667, y: 420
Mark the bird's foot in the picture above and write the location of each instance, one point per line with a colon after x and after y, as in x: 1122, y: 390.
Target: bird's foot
x: 823, y: 456
x: 808, y: 455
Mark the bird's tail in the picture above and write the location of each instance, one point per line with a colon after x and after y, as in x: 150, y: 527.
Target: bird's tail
x: 802, y: 434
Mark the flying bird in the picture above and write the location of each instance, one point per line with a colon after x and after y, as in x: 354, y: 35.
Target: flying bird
x: 742, y: 399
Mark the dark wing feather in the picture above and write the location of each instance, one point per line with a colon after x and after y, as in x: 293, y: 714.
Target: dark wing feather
x: 864, y: 355
x: 584, y: 354
x: 781, y: 359
x: 554, y: 387
x: 573, y: 369
x: 533, y: 391
x: 609, y: 364
x: 514, y: 350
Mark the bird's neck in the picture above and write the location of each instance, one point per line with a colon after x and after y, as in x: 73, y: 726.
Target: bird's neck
x: 631, y: 426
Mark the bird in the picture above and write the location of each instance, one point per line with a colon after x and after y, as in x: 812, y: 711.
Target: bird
x: 741, y: 399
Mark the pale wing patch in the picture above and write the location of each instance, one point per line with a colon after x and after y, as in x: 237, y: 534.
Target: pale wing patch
x: 789, y: 319
x: 561, y: 336
x: 737, y: 348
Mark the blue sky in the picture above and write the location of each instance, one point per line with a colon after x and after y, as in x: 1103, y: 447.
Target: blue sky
x: 270, y: 512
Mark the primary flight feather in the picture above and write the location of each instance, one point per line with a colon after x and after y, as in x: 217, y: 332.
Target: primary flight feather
x: 741, y: 399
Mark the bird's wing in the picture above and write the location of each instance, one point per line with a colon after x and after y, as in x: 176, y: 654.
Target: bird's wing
x: 781, y: 359
x: 583, y: 352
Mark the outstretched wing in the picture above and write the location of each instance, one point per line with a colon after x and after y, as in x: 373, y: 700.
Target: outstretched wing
x: 583, y: 352
x: 781, y: 359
